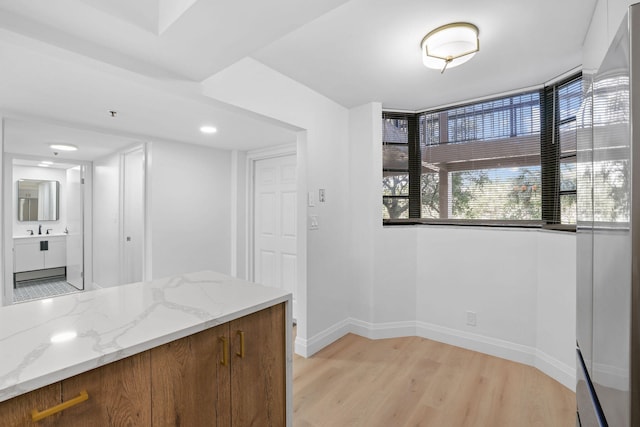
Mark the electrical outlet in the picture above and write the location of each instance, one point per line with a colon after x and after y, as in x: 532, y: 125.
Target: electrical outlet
x: 471, y: 318
x: 321, y: 198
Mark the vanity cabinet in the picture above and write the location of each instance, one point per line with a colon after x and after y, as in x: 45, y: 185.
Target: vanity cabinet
x: 38, y: 253
x: 229, y: 375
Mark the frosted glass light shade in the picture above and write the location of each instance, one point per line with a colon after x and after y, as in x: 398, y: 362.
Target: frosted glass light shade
x: 450, y: 45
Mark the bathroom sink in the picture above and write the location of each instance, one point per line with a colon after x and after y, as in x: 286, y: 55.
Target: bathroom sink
x: 28, y: 236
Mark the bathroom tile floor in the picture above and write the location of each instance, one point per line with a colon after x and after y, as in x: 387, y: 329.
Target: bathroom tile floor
x: 44, y: 288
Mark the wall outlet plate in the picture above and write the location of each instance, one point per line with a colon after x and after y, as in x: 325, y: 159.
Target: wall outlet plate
x: 471, y: 318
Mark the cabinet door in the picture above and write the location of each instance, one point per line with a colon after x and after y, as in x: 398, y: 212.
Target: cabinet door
x: 16, y: 412
x: 119, y: 395
x: 258, y: 368
x: 56, y: 256
x: 27, y: 256
x: 185, y: 381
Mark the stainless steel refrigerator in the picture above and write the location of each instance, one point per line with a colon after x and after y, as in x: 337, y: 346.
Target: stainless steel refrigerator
x: 608, y: 236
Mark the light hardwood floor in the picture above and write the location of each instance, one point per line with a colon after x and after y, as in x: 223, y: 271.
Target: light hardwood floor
x: 418, y: 382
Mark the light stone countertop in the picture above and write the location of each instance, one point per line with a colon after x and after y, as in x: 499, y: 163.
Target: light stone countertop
x: 113, y: 323
x: 40, y: 236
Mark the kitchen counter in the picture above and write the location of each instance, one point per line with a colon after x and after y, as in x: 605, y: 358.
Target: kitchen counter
x: 49, y: 340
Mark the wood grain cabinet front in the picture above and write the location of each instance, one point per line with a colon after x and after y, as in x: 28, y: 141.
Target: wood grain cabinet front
x: 185, y: 378
x: 116, y: 394
x: 229, y: 375
x: 257, y: 378
x: 17, y: 412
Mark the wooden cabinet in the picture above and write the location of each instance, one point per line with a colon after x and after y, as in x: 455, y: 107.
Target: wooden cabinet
x: 29, y: 253
x: 118, y: 395
x: 258, y: 370
x: 184, y: 380
x: 16, y: 412
x: 230, y: 375
x: 233, y: 374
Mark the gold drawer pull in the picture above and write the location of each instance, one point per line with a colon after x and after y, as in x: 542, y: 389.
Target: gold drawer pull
x: 39, y: 415
x: 225, y: 351
x: 241, y: 352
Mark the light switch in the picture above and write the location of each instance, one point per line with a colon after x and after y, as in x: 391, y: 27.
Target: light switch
x: 311, y: 199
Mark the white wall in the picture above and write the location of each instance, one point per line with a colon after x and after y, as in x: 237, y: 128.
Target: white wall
x: 418, y: 280
x: 190, y: 208
x: 363, y: 200
x: 323, y: 162
x: 106, y: 224
x: 556, y: 305
x: 239, y: 215
x: 49, y: 174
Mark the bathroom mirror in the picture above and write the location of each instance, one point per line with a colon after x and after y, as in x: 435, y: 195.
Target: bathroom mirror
x: 38, y: 200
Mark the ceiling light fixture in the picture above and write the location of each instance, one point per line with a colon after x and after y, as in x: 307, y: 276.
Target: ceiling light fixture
x: 450, y: 45
x: 63, y: 147
x: 46, y: 162
x: 208, y: 129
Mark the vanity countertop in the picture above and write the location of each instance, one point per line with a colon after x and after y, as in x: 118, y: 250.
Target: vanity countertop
x: 40, y: 236
x: 45, y: 341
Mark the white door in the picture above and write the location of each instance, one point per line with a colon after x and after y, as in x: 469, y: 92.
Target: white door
x: 275, y: 257
x: 75, y: 226
x: 133, y: 215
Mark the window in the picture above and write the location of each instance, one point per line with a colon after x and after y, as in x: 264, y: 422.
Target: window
x: 502, y: 160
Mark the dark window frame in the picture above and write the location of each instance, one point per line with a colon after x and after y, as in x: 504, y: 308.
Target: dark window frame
x: 550, y: 160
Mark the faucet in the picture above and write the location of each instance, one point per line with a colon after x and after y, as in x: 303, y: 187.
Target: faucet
x: 66, y: 230
x: 48, y: 230
x: 30, y: 232
x: 40, y: 229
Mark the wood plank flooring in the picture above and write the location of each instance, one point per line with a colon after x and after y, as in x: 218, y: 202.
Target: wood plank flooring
x: 413, y: 381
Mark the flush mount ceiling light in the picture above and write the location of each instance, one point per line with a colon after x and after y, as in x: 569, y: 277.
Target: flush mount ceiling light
x: 63, y: 147
x: 450, y: 45
x: 208, y: 129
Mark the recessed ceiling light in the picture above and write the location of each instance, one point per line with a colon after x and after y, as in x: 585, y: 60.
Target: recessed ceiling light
x: 208, y: 129
x: 63, y: 147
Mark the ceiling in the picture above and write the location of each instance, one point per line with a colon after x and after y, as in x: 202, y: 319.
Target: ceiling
x: 66, y: 64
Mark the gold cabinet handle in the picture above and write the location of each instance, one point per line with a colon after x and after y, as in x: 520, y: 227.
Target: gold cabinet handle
x: 39, y: 415
x: 225, y: 351
x: 241, y: 352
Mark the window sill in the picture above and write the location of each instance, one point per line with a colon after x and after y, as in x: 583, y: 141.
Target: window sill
x: 484, y: 223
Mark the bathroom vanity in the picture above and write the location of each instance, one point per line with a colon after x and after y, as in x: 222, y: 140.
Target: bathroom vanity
x: 196, y: 349
x: 39, y: 255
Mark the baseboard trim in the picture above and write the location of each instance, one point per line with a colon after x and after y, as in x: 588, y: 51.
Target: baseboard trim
x: 308, y: 347
x: 561, y: 372
x: 527, y: 355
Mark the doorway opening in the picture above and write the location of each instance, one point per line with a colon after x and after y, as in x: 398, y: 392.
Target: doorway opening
x: 44, y: 226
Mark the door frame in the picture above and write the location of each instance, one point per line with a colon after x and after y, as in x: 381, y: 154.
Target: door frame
x: 121, y: 210
x: 254, y: 156
x: 7, y: 220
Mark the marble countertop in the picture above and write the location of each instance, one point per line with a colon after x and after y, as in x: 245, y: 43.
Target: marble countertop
x: 45, y: 341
